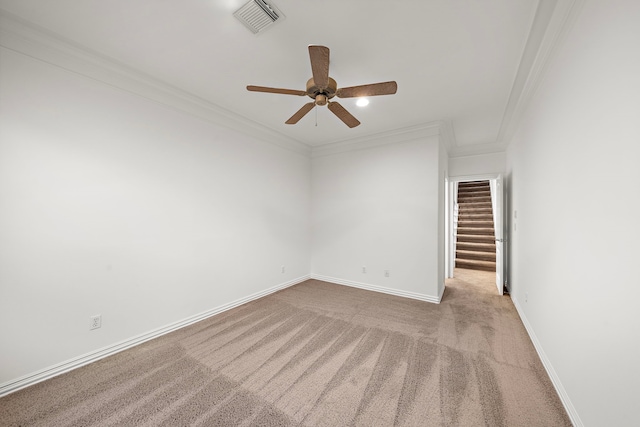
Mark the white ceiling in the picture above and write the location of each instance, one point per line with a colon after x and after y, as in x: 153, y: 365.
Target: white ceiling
x: 455, y: 61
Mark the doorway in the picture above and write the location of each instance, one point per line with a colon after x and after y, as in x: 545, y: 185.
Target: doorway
x: 452, y: 215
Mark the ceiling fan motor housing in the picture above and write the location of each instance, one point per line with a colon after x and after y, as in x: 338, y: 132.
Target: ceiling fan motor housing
x: 321, y: 95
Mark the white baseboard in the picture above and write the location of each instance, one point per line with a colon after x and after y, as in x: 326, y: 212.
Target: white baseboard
x: 390, y: 291
x: 562, y: 393
x: 69, y: 365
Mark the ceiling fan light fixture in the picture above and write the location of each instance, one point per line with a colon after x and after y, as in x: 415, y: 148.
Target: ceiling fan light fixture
x: 258, y: 15
x: 321, y: 99
x: 362, y: 102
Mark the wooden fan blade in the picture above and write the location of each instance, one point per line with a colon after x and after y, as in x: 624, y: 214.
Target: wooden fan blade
x: 385, y: 88
x: 319, y: 56
x: 276, y: 90
x: 300, y: 113
x: 343, y: 114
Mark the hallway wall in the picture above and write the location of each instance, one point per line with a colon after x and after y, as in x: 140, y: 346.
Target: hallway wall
x: 573, y: 182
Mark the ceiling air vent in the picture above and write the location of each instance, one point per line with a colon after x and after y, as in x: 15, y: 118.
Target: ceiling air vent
x: 258, y: 15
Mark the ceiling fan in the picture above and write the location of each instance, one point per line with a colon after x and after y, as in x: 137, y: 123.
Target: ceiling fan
x: 321, y: 88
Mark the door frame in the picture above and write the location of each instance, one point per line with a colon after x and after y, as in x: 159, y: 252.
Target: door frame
x: 450, y: 226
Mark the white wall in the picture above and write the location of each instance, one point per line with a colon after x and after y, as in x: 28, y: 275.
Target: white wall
x: 574, y: 182
x: 379, y: 208
x: 111, y: 204
x: 480, y: 164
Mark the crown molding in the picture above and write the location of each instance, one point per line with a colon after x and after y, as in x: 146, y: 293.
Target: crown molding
x: 36, y: 42
x: 405, y: 134
x: 448, y: 136
x: 552, y: 22
x: 477, y: 149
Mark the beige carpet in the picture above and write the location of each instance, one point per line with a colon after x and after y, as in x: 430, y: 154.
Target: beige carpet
x: 317, y: 354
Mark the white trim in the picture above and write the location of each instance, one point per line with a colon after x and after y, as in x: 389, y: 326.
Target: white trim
x: 36, y: 42
x: 411, y: 133
x: 69, y: 365
x: 555, y: 380
x: 447, y: 136
x: 551, y: 23
x: 480, y: 177
x: 381, y: 289
x: 550, y: 26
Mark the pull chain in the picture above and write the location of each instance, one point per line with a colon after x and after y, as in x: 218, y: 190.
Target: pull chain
x: 316, y: 115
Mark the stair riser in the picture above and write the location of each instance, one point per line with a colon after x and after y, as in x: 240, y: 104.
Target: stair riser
x: 466, y: 215
x: 476, y: 247
x: 475, y: 205
x: 473, y: 190
x: 482, y: 256
x: 475, y: 217
x: 473, y: 184
x: 471, y: 265
x: 474, y: 210
x: 475, y: 224
x: 476, y: 190
x: 476, y: 238
x: 481, y: 231
x: 464, y: 200
x: 465, y: 219
x: 474, y: 194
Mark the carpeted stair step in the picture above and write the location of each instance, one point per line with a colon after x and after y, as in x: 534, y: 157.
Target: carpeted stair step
x: 476, y: 238
x: 479, y: 199
x: 475, y: 205
x: 471, y: 230
x: 475, y: 210
x: 476, y: 246
x: 483, y: 256
x: 473, y: 193
x: 477, y: 190
x: 475, y: 216
x: 476, y: 264
x: 462, y: 192
x: 475, y: 224
x: 473, y: 184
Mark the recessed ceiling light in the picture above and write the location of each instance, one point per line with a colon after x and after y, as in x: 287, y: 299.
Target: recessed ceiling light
x: 362, y: 102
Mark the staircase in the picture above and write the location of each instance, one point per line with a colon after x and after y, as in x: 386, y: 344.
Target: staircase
x: 475, y: 243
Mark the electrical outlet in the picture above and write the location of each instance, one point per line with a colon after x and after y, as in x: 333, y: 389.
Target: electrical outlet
x: 282, y: 270
x: 386, y: 273
x: 95, y: 322
x: 364, y: 269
